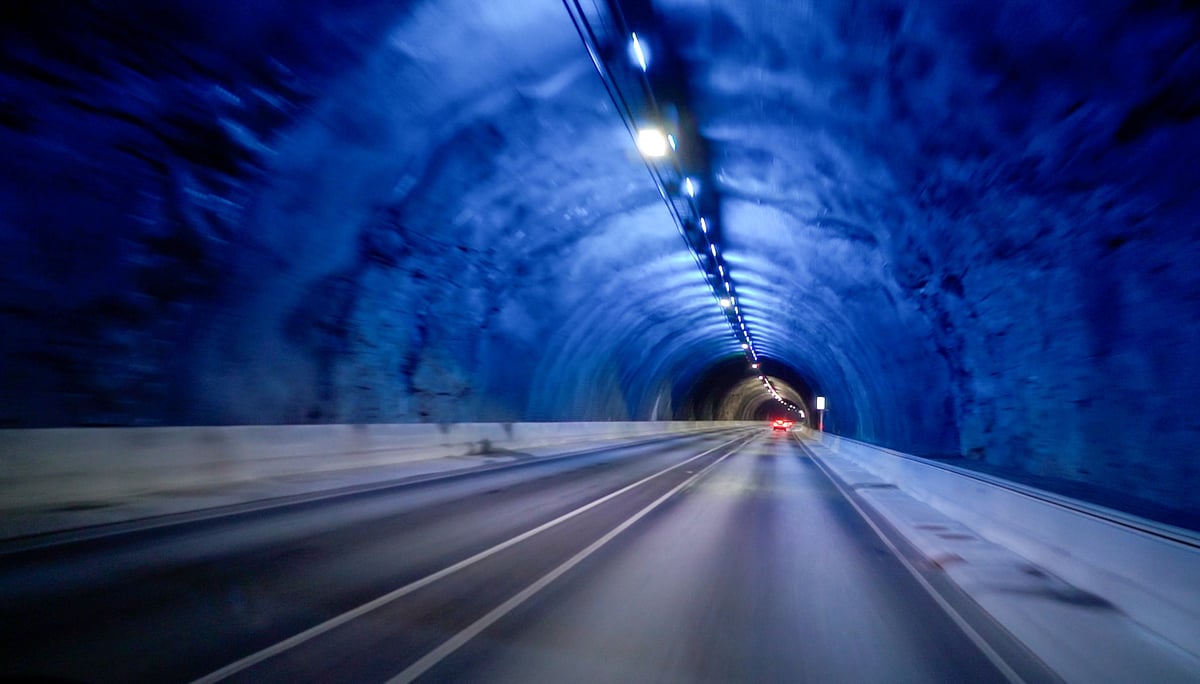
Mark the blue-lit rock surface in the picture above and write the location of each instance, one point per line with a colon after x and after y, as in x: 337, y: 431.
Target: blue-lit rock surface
x: 973, y: 226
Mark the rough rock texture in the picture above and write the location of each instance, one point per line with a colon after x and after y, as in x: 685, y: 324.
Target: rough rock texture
x: 973, y: 226
x: 1010, y: 184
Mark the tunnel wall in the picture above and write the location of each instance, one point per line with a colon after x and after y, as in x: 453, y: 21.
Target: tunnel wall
x: 1011, y: 183
x: 972, y: 226
x: 107, y: 466
x: 210, y: 235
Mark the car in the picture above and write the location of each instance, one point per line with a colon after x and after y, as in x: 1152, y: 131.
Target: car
x: 782, y: 424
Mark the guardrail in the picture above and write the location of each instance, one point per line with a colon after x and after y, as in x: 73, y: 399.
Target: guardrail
x: 1149, y: 570
x: 65, y: 466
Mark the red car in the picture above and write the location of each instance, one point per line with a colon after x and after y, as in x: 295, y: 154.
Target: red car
x: 782, y: 424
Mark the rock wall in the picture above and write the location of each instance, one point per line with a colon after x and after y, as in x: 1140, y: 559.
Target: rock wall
x: 1014, y: 182
x: 971, y: 226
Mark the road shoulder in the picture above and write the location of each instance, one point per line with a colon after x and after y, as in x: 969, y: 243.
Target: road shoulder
x: 1077, y: 635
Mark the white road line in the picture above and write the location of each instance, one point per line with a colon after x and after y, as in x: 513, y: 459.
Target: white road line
x: 458, y: 640
x: 339, y: 620
x: 977, y: 639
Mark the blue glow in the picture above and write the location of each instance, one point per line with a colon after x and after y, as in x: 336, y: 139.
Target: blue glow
x: 639, y: 54
x: 671, y: 140
x: 690, y: 188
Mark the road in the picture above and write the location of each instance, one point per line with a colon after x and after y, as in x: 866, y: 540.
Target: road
x: 718, y: 558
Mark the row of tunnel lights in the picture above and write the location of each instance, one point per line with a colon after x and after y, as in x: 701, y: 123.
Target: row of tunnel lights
x: 654, y: 143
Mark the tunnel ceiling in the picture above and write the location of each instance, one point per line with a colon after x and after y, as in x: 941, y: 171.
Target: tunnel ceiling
x: 972, y: 226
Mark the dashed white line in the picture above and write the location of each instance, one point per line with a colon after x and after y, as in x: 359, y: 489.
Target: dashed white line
x: 457, y: 641
x: 339, y: 620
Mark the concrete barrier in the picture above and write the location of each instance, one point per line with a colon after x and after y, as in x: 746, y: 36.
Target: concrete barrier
x: 1149, y: 571
x: 67, y: 466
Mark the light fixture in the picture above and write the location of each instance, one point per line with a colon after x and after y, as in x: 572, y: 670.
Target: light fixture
x: 639, y: 53
x: 652, y: 142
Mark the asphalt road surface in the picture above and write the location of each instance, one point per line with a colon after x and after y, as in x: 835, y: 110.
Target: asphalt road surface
x: 726, y: 557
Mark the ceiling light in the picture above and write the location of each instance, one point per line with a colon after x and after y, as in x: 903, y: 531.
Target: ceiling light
x: 689, y: 186
x: 639, y: 53
x: 724, y: 303
x: 671, y: 140
x: 713, y: 248
x: 652, y: 142
x: 703, y: 224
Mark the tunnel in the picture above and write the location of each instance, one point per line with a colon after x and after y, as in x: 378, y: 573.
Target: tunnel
x: 599, y: 340
x: 971, y: 227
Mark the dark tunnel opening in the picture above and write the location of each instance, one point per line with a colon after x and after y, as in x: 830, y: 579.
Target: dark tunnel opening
x: 732, y: 390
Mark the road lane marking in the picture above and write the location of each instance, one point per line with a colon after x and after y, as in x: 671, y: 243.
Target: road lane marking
x: 1005, y: 669
x: 448, y: 647
x: 339, y: 620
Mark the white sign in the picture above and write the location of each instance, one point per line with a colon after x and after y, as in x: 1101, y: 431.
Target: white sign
x: 820, y: 403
